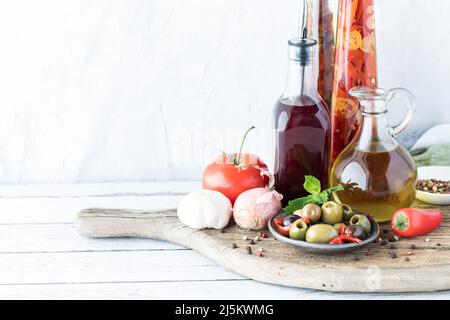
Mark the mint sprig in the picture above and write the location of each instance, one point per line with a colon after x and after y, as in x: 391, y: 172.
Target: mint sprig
x: 317, y: 196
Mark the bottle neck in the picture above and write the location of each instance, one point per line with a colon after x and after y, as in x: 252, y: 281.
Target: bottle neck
x: 375, y: 134
x: 301, y: 81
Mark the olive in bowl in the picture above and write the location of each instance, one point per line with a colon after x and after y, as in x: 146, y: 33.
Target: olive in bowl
x: 362, y: 221
x: 298, y: 230
x: 311, y: 212
x: 331, y: 213
x: 321, y: 233
x: 347, y: 212
x: 355, y: 231
x: 289, y: 220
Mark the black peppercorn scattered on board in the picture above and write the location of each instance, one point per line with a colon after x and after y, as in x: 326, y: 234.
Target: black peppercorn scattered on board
x: 393, y: 254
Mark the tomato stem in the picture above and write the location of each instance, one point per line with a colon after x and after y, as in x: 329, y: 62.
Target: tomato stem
x: 237, y: 160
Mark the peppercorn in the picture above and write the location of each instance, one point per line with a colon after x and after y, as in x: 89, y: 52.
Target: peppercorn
x: 434, y: 186
x: 393, y: 254
x: 413, y: 247
x: 252, y: 242
x: 249, y: 250
x: 234, y: 245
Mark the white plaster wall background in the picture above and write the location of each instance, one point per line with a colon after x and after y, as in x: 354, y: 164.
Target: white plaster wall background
x: 142, y: 90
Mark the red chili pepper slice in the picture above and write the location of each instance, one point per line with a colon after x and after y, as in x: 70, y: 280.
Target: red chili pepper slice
x: 307, y: 220
x: 278, y: 224
x: 342, y: 229
x: 336, y: 241
x: 345, y: 239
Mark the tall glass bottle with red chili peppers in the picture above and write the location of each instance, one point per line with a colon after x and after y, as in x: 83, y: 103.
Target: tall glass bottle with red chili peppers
x: 355, y: 65
x: 320, y: 26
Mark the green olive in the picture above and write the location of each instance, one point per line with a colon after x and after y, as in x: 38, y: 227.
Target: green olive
x: 298, y: 230
x: 311, y: 211
x: 362, y: 221
x: 331, y: 213
x: 347, y: 212
x: 321, y: 233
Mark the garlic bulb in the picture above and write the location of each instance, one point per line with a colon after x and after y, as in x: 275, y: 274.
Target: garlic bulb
x: 205, y: 209
x: 254, y: 208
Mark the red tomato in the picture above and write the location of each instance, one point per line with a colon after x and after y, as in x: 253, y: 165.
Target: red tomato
x: 231, y: 179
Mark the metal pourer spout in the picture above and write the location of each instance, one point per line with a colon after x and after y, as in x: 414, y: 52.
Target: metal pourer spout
x: 301, y: 50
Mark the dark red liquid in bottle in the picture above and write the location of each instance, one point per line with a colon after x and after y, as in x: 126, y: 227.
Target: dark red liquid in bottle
x: 303, y: 145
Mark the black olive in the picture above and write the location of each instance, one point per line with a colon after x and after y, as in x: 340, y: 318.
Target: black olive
x: 355, y: 232
x: 290, y: 220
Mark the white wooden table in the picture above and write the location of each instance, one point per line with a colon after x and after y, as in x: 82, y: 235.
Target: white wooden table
x: 42, y: 257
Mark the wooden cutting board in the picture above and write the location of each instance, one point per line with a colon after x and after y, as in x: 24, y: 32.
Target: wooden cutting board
x: 371, y: 269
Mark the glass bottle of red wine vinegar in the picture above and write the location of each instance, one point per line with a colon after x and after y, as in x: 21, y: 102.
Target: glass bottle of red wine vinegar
x: 302, y: 125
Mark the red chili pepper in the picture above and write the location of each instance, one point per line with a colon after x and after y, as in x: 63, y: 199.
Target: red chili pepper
x: 307, y: 220
x: 336, y: 241
x: 412, y: 222
x: 278, y: 223
x: 342, y: 229
x: 345, y: 239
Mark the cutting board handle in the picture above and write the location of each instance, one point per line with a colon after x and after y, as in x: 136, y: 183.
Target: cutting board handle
x: 116, y: 223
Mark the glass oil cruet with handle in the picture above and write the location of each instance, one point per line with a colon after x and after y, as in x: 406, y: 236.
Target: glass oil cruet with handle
x: 378, y: 174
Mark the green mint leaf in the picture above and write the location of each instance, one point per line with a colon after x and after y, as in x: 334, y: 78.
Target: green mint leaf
x: 335, y: 189
x: 317, y: 197
x: 321, y: 198
x: 298, y: 204
x: 312, y: 185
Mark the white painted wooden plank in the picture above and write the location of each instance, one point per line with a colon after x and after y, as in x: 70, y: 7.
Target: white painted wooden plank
x: 238, y: 289
x: 93, y: 267
x: 98, y: 189
x: 63, y: 237
x: 64, y: 210
x: 83, y: 272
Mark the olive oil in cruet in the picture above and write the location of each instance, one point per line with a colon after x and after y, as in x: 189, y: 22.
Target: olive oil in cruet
x: 378, y: 174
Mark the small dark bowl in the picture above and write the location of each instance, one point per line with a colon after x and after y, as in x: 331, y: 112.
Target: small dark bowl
x: 320, y: 248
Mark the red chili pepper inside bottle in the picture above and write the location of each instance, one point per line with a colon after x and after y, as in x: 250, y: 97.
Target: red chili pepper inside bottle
x: 355, y: 65
x: 321, y: 27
